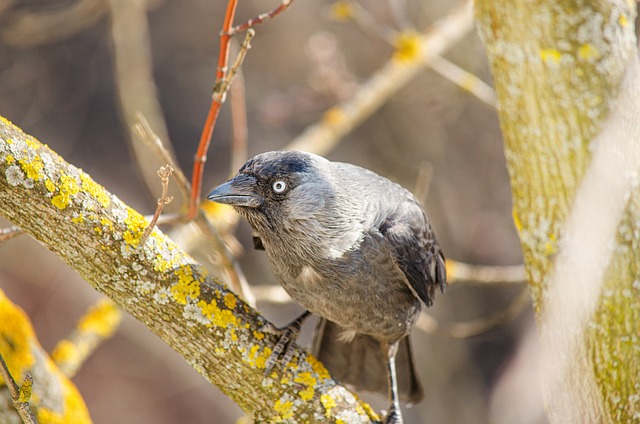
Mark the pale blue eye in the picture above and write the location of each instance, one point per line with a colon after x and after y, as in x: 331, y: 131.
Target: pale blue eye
x: 279, y: 186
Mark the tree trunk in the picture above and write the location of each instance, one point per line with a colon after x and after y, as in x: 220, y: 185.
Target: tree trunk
x: 567, y: 80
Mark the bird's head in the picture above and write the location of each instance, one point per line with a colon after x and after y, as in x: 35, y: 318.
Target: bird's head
x: 278, y: 190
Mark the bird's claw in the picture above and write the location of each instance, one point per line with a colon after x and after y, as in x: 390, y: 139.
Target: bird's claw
x: 394, y: 416
x: 283, y: 350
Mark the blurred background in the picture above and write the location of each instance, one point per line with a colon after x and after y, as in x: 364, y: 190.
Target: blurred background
x: 58, y: 81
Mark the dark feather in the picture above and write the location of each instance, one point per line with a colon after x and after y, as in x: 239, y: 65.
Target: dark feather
x: 416, y: 250
x: 361, y: 363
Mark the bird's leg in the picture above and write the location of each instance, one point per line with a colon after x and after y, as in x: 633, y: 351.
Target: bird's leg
x: 282, y: 352
x: 394, y: 415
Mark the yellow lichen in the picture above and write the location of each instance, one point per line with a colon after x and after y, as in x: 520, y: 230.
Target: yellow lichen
x: 78, y: 219
x: 95, y: 190
x: 74, y: 409
x: 67, y: 189
x: 25, y: 391
x: 160, y: 264
x: 367, y: 410
x: 284, y: 408
x: 33, y: 168
x: 516, y: 221
x: 230, y: 300
x: 107, y: 225
x: 136, y: 224
x: 317, y: 367
x: 588, y: 52
x: 309, y: 381
x: 258, y: 358
x: 17, y: 339
x: 450, y: 268
x: 65, y: 351
x: 408, y: 45
x: 50, y: 185
x: 186, y: 287
x: 551, y: 246
x: 333, y: 116
x: 622, y: 20
x: 329, y: 403
x: 16, y: 335
x: 102, y: 319
x: 342, y: 11
x: 9, y: 159
x: 222, y: 318
x: 258, y: 335
x: 550, y: 56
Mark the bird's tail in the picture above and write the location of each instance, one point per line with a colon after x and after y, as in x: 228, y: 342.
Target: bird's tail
x: 361, y: 362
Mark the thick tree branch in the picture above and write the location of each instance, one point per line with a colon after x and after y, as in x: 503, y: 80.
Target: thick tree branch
x: 162, y: 287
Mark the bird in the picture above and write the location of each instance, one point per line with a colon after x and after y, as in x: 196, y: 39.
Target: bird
x: 351, y: 247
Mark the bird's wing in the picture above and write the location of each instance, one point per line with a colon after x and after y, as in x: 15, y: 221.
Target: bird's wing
x: 415, y: 249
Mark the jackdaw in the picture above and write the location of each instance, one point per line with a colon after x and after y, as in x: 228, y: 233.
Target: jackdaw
x: 355, y: 249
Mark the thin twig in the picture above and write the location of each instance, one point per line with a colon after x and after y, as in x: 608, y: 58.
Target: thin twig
x: 26, y: 28
x: 10, y: 232
x: 465, y: 80
x: 228, y: 262
x: 220, y: 92
x: 276, y: 294
x: 483, y: 274
x: 239, y: 150
x: 136, y: 89
x: 423, y: 182
x: 98, y: 324
x: 363, y: 20
x: 262, y: 17
x: 339, y: 120
x: 144, y: 131
x: 466, y: 329
x: 164, y: 173
x: 19, y: 395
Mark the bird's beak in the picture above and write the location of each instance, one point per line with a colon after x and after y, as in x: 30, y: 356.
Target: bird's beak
x: 239, y: 191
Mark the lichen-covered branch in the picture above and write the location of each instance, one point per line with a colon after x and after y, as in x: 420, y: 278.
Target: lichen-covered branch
x: 162, y: 287
x: 54, y: 397
x: 570, y: 135
x: 98, y: 324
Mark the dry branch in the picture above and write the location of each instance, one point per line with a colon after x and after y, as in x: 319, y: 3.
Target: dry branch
x: 340, y: 120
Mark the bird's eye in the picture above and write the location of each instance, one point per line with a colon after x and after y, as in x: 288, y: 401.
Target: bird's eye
x: 279, y: 186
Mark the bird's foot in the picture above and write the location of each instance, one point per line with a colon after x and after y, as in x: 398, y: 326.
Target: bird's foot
x: 283, y: 350
x: 394, y: 416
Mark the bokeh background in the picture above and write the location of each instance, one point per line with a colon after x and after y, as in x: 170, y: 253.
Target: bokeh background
x: 61, y: 87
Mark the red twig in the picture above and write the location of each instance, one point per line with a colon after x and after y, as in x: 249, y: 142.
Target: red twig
x: 214, y: 110
x: 262, y: 17
x: 224, y: 75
